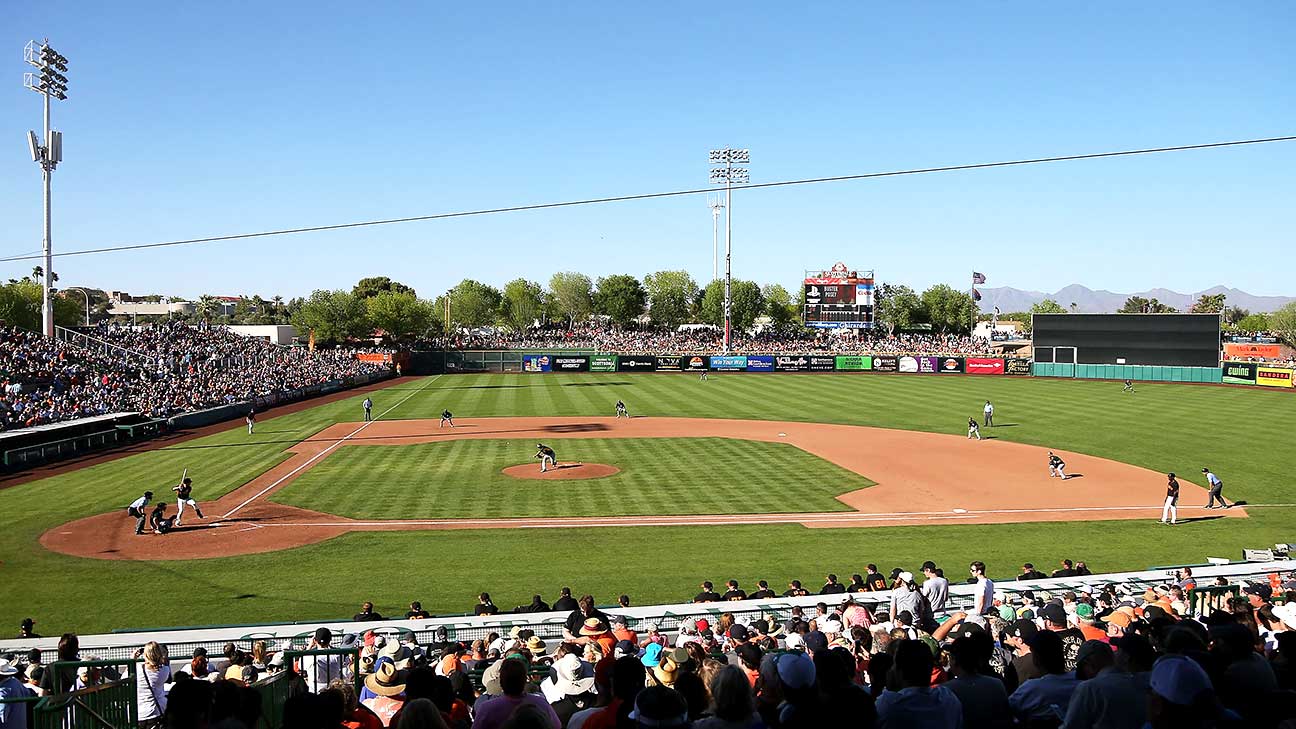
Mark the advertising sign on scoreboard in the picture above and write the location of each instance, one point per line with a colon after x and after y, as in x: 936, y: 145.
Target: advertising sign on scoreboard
x: 729, y: 363
x: 839, y: 298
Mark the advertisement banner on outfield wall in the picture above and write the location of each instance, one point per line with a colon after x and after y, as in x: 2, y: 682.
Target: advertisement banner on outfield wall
x: 792, y: 363
x: 537, y: 363
x: 885, y: 363
x: 760, y: 363
x: 928, y: 365
x: 569, y: 363
x: 1273, y: 377
x: 668, y: 364
x: 693, y: 363
x: 983, y: 366
x: 1240, y: 373
x: 822, y: 364
x: 636, y: 363
x: 729, y: 363
x: 602, y: 363
x: 951, y: 365
x: 853, y: 362
x: 1238, y: 351
x: 908, y: 364
x: 1017, y: 367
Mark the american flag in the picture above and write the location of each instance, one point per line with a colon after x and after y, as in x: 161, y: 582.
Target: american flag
x: 978, y: 278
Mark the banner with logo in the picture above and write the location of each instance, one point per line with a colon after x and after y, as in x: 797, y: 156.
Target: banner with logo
x: 886, y: 363
x: 792, y: 363
x: 379, y: 357
x: 668, y: 364
x: 760, y: 363
x: 1017, y: 367
x: 693, y: 363
x: 1244, y: 351
x: 822, y: 364
x: 1273, y: 377
x: 536, y: 363
x: 853, y: 362
x: 602, y: 363
x: 983, y: 366
x: 569, y: 363
x: 728, y: 363
x: 908, y: 364
x: 636, y: 363
x: 928, y: 365
x: 951, y: 365
x: 1240, y: 373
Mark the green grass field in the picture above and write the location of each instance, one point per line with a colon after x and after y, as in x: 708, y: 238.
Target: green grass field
x: 1244, y: 434
x: 463, y: 479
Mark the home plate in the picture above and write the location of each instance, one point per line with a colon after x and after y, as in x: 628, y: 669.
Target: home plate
x: 960, y: 511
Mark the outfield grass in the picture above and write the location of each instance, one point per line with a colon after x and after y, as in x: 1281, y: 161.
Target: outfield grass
x: 1243, y: 434
x: 463, y: 479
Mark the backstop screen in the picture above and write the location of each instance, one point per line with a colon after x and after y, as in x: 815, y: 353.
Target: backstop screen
x: 1186, y: 340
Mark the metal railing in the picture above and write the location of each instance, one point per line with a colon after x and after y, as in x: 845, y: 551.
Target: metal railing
x: 1202, y: 601
x: 84, y: 341
x: 318, y: 675
x: 43, y: 452
x: 109, y: 705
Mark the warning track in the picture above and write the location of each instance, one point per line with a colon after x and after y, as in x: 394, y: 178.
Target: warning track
x: 922, y: 478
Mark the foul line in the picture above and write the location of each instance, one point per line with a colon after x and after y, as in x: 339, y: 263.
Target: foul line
x: 325, y: 452
x: 560, y: 522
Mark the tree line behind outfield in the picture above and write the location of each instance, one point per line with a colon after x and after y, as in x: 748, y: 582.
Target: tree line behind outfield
x: 665, y: 299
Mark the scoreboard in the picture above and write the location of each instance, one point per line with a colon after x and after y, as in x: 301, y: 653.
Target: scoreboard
x: 838, y: 298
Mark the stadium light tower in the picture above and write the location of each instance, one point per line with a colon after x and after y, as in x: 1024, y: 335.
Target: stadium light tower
x: 47, y: 151
x: 729, y: 174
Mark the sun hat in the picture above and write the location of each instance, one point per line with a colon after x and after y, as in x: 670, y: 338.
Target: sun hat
x: 400, y: 655
x: 658, y: 706
x: 593, y: 627
x: 386, y: 681
x: 535, y: 645
x: 7, y: 668
x: 795, y: 670
x: 1286, y: 613
x: 568, y: 680
x: 491, y: 679
x: 1179, y: 679
x: 652, y: 655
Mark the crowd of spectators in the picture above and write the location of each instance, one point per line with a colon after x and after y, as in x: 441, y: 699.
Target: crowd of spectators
x: 707, y: 340
x: 159, y: 370
x: 1110, y: 656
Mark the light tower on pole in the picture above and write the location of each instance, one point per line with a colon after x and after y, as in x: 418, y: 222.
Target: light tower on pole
x: 729, y: 174
x: 716, y: 203
x: 47, y: 151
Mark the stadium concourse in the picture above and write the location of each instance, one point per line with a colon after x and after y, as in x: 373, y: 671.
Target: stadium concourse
x: 1189, y: 647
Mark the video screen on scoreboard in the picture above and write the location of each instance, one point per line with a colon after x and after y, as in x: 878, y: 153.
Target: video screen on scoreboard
x: 838, y: 300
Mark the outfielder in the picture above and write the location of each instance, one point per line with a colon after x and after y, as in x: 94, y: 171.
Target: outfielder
x: 1057, y: 467
x: 184, y: 491
x: 1129, y: 386
x: 136, y: 510
x: 1171, y: 509
x: 547, y: 457
x: 446, y: 417
x: 251, y: 420
x: 1216, y: 486
x: 989, y: 414
x: 621, y: 411
x: 973, y: 430
x: 703, y: 377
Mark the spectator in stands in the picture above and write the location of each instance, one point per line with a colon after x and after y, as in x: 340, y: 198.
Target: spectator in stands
x: 1108, y: 697
x: 492, y: 713
x: 843, y: 701
x: 565, y: 602
x: 1048, y: 697
x: 981, y: 695
x: 906, y: 597
x: 984, y: 596
x: 12, y: 715
x: 1055, y: 619
x: 914, y: 701
x: 150, y: 685
x: 708, y: 593
x: 189, y: 704
x: 68, y: 648
x: 366, y: 613
x: 934, y: 587
x: 27, y: 629
x: 385, y: 691
x: 416, y: 612
x: 1067, y: 569
x: 1030, y: 573
x: 319, y: 670
x: 583, y: 611
x: 569, y: 690
x: 484, y: 605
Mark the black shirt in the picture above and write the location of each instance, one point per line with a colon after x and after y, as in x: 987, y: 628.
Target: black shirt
x: 417, y: 614
x: 1064, y: 572
x: 488, y: 609
x: 1054, y: 461
x: 1032, y: 575
x: 832, y: 588
x: 795, y: 592
x: 707, y: 596
x: 577, y: 618
x: 734, y: 595
x: 876, y: 582
x: 1072, y: 639
x: 762, y: 595
x: 358, y: 617
x: 565, y: 603
x: 1172, y: 488
x: 857, y: 587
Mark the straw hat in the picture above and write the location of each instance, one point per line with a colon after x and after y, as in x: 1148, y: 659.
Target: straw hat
x: 386, y: 681
x: 535, y: 645
x: 593, y: 627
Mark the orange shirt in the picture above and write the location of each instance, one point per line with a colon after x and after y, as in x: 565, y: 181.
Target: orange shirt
x: 1092, y: 633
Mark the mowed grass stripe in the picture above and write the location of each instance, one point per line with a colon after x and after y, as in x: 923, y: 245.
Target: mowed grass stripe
x: 463, y: 479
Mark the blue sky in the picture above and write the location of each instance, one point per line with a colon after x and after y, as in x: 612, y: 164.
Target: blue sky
x: 195, y: 119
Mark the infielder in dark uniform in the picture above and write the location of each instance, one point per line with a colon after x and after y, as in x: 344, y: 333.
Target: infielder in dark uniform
x: 1057, y: 467
x: 1171, y: 509
x: 137, y: 510
x: 547, y: 457
x: 184, y: 497
x: 621, y: 411
x: 251, y: 420
x: 446, y: 417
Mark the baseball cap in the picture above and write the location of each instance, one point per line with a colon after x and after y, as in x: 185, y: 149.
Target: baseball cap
x: 737, y: 631
x: 1085, y: 610
x: 796, y: 670
x: 1259, y: 589
x: 1090, y: 648
x: 1024, y: 629
x: 749, y: 653
x: 905, y: 577
x: 1179, y: 680
x: 1054, y: 614
x: 1119, y: 619
x: 816, y: 641
x: 702, y: 624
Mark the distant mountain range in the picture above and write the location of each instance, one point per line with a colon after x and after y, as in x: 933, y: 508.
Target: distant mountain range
x: 1096, y: 302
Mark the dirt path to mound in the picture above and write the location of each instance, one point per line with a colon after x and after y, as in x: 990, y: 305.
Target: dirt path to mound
x: 922, y: 478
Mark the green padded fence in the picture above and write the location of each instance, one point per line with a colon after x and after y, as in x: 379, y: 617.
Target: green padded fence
x: 108, y: 705
x: 1138, y: 373
x: 275, y: 692
x: 1203, y: 601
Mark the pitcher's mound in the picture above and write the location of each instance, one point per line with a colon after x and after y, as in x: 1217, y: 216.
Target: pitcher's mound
x: 562, y: 472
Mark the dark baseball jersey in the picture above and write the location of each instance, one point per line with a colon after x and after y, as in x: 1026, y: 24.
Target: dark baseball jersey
x: 183, y: 491
x: 1172, y: 488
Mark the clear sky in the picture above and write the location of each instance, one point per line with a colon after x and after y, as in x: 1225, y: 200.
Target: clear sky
x: 194, y: 119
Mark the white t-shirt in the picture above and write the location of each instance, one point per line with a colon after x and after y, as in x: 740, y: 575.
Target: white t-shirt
x: 150, y: 691
x: 984, y: 594
x: 989, y: 409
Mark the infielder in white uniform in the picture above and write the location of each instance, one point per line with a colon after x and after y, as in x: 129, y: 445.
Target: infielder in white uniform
x: 184, y: 497
x: 1170, y: 511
